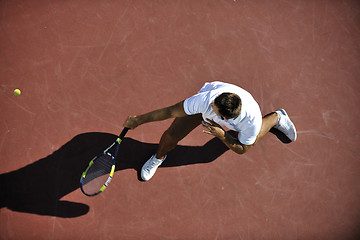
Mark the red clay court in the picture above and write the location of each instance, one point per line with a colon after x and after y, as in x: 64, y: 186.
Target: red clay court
x: 84, y: 66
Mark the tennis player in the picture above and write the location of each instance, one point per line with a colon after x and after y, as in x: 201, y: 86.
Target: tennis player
x: 216, y: 106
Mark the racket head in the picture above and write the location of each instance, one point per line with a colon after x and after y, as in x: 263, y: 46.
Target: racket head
x: 98, y: 174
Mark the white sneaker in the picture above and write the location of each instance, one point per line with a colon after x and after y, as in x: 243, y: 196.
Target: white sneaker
x: 285, y: 125
x: 149, y: 168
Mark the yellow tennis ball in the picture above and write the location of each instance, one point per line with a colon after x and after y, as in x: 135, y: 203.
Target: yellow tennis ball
x: 17, y: 92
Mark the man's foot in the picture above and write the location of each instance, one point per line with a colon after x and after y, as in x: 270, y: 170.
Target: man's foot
x: 285, y: 125
x: 149, y: 168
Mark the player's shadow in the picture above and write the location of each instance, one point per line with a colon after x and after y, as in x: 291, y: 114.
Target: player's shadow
x: 39, y: 187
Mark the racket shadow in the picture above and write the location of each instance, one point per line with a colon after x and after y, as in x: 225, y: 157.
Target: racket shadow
x: 39, y: 187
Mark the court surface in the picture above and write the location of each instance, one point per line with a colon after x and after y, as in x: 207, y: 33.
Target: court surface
x: 84, y: 66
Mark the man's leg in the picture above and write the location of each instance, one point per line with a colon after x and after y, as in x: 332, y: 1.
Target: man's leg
x: 269, y: 121
x: 179, y: 129
x: 279, y: 120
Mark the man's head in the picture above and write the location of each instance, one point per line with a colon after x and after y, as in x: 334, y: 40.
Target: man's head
x: 228, y: 105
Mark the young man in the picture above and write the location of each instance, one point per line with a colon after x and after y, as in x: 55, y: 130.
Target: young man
x: 217, y: 104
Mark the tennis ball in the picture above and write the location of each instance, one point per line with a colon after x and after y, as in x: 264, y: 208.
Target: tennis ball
x: 17, y: 92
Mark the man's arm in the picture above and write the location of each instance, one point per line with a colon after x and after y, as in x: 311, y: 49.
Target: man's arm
x: 234, y: 144
x: 176, y: 110
x: 231, y: 142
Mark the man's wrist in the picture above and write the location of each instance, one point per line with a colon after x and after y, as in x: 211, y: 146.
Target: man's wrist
x: 139, y: 120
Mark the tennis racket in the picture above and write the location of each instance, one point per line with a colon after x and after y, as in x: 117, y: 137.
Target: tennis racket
x: 100, y: 171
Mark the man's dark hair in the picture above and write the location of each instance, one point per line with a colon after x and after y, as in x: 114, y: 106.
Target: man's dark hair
x: 229, y: 105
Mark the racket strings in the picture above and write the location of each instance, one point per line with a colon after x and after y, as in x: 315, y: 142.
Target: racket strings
x: 97, y: 174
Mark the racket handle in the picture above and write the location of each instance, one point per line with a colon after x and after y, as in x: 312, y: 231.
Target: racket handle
x: 122, y: 134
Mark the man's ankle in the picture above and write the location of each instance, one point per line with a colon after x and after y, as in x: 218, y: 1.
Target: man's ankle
x: 162, y: 156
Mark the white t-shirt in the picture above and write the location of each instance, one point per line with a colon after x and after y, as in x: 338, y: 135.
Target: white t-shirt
x: 247, y: 124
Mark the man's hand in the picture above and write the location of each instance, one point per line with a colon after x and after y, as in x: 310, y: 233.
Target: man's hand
x: 213, y: 128
x: 216, y: 130
x: 132, y: 122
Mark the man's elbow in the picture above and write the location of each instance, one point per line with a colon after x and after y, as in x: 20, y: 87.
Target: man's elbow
x: 243, y: 149
x: 240, y: 152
